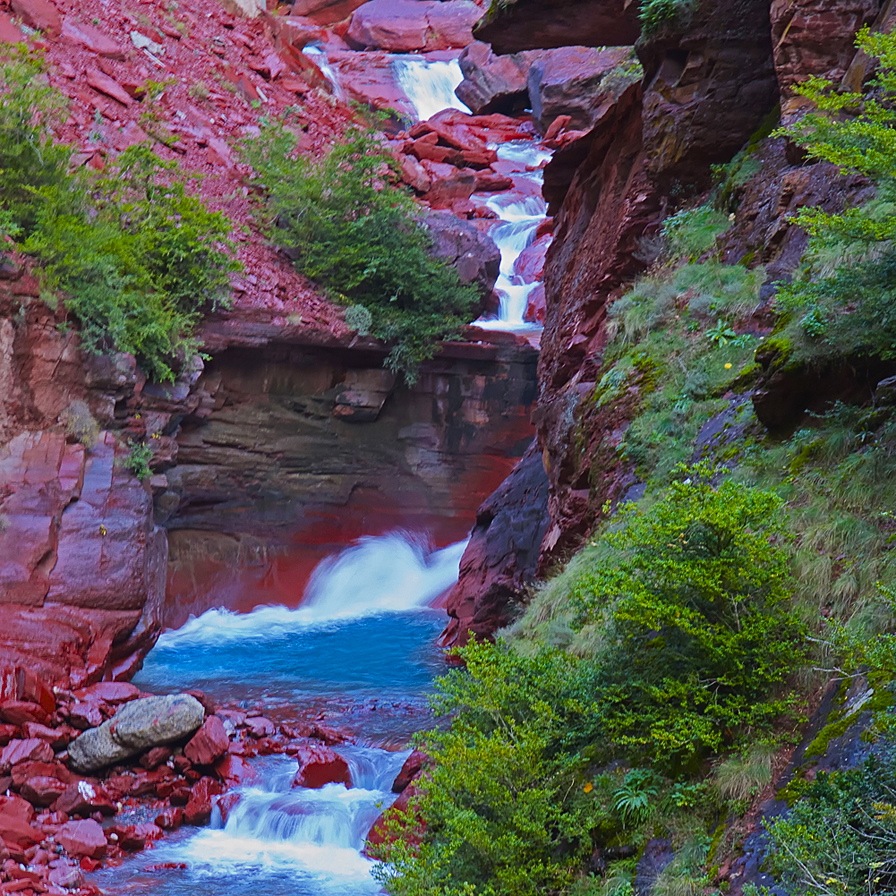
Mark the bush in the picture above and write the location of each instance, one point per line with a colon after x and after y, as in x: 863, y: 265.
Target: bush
x: 839, y: 839
x: 130, y: 253
x: 694, y: 593
x: 505, y: 811
x: 842, y: 303
x: 135, y: 258
x: 31, y: 162
x: 358, y: 235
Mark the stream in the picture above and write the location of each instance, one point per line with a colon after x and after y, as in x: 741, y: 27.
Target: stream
x: 361, y: 650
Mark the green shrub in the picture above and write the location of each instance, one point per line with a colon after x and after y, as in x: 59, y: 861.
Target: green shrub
x: 692, y: 232
x: 505, y: 811
x: 839, y: 839
x: 694, y: 593
x: 134, y: 258
x: 32, y: 164
x: 655, y: 14
x: 357, y: 234
x: 842, y: 303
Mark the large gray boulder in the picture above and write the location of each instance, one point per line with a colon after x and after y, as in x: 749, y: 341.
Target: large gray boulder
x: 136, y: 727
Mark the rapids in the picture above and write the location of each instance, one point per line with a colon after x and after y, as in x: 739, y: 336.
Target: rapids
x: 361, y: 649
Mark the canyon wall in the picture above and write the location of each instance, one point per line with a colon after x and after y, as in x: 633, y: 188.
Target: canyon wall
x: 714, y: 80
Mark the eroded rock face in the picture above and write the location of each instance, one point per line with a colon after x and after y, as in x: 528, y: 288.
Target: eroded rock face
x: 708, y: 87
x: 82, y: 563
x: 304, y: 449
x: 472, y: 253
x: 528, y: 24
x: 137, y: 726
x: 403, y: 26
x: 815, y: 37
x: 572, y: 81
x: 502, y: 557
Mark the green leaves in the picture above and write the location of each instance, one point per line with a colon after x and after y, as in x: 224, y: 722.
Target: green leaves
x: 695, y: 593
x: 841, y: 304
x: 352, y: 230
x: 132, y: 256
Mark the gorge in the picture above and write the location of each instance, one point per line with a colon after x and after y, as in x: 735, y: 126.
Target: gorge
x: 291, y: 532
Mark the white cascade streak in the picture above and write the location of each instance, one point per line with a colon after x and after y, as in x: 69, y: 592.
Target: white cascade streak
x: 391, y: 573
x: 513, y: 233
x: 319, y: 57
x: 429, y: 85
x: 319, y: 831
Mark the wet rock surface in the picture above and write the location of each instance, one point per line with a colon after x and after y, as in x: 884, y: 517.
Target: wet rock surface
x: 138, y: 726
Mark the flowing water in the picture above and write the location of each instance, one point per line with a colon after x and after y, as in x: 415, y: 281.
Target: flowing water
x: 519, y: 216
x: 362, y: 642
x: 429, y: 84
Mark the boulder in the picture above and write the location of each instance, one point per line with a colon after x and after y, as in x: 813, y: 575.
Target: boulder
x: 575, y: 81
x: 412, y: 767
x: 82, y: 838
x: 16, y: 828
x: 325, y: 12
x: 137, y: 726
x: 472, y: 253
x: 198, y: 810
x: 542, y: 24
x: 41, y: 15
x: 404, y: 26
x: 320, y: 765
x: 209, y: 743
x: 494, y: 83
x: 500, y: 561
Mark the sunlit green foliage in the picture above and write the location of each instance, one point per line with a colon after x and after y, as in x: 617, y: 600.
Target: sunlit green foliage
x: 353, y: 230
x: 839, y: 839
x: 843, y: 302
x: 133, y: 257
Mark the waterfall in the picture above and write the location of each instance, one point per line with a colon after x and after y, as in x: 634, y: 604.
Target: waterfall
x: 391, y: 573
x: 429, y: 85
x: 518, y: 221
x: 319, y: 57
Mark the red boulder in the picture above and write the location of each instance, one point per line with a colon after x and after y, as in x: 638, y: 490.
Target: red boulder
x: 209, y: 743
x: 82, y: 838
x: 319, y: 766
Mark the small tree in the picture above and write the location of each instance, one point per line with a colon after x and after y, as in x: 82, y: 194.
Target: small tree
x: 844, y: 301
x: 695, y: 595
x: 353, y: 230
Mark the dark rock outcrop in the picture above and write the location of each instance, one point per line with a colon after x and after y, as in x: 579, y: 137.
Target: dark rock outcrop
x: 501, y: 559
x: 494, y: 83
x: 708, y: 87
x: 472, y: 253
x: 573, y: 81
x: 541, y: 24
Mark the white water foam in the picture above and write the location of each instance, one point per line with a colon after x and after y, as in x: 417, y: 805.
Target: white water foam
x: 429, y: 85
x: 518, y: 222
x: 319, y: 57
x: 320, y: 832
x: 391, y: 573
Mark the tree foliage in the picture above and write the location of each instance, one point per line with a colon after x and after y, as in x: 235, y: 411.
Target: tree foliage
x: 843, y: 302
x: 352, y: 230
x: 132, y: 255
x: 694, y: 593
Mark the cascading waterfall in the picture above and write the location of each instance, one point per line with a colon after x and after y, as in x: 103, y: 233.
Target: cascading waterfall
x: 515, y: 230
x: 317, y: 54
x: 364, y: 634
x: 429, y: 84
